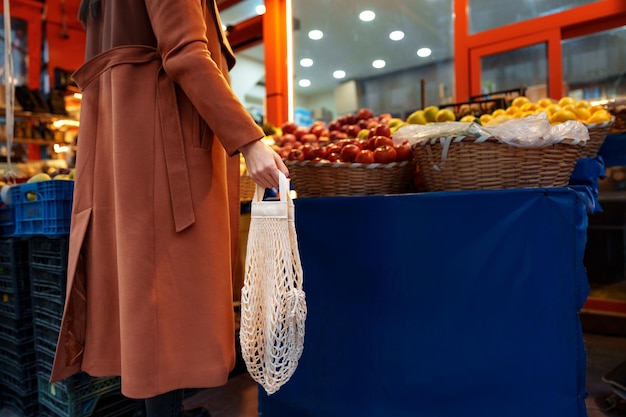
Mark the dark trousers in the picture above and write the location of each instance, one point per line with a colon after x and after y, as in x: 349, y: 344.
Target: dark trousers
x: 169, y: 404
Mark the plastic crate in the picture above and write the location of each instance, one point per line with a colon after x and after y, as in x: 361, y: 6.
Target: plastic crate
x: 49, y: 253
x: 7, y: 220
x: 13, y: 252
x: 48, y: 310
x: 20, y: 378
x: 48, y: 283
x: 15, y: 301
x: 23, y: 405
x: 78, y: 401
x: 43, y: 208
x: 16, y: 331
x: 45, y: 343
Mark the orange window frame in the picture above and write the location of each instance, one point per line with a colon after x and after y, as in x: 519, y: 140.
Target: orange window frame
x: 551, y: 30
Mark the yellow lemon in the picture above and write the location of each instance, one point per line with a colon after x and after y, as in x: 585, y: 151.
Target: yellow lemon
x: 416, y: 118
x: 582, y: 103
x: 545, y: 102
x: 599, y: 116
x: 561, y: 116
x: 582, y: 113
x: 513, y: 110
x: 498, y: 112
x: 530, y: 107
x: 484, y: 119
x: 553, y: 108
x: 42, y: 176
x: 430, y: 113
x: 593, y: 109
x: 468, y: 118
x: 445, y: 115
x: 520, y: 101
x: 566, y: 100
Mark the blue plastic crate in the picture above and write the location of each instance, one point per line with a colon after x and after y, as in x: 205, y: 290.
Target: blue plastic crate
x: 15, y: 297
x: 22, y: 405
x: 20, y: 378
x: 7, y: 220
x: 43, y: 208
x: 80, y: 400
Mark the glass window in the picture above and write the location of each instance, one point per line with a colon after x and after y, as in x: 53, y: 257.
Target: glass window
x: 241, y: 11
x: 20, y: 50
x: 490, y: 14
x: 523, y: 67
x: 593, y: 65
x: 352, y: 53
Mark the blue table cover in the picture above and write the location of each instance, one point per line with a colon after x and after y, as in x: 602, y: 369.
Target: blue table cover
x: 441, y: 305
x: 613, y: 150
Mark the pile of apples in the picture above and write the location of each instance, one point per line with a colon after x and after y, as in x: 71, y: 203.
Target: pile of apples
x: 361, y: 138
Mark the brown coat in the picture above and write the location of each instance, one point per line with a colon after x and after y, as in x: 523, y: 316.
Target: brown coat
x: 156, y: 207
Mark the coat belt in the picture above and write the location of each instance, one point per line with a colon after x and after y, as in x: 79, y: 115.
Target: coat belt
x: 173, y: 144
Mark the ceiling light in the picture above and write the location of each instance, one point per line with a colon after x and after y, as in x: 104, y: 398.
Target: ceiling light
x: 396, y: 35
x: 339, y: 74
x: 424, y: 52
x: 260, y: 9
x: 306, y: 62
x: 304, y: 83
x: 316, y: 34
x: 379, y: 63
x: 367, y: 15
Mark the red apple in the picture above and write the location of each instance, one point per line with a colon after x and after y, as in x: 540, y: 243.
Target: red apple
x: 289, y: 127
x: 308, y: 138
x: 308, y: 151
x: 365, y: 156
x: 403, y: 151
x: 353, y: 131
x: 364, y: 113
x: 349, y: 153
x: 382, y: 130
x: 350, y: 118
x: 333, y: 157
x: 382, y: 140
x: 296, y: 155
x: 287, y: 138
x: 321, y: 152
x: 334, y: 125
x: 385, y: 154
x: 318, y: 129
x: 300, y: 131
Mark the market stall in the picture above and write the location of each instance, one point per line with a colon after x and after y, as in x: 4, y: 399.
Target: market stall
x: 447, y: 304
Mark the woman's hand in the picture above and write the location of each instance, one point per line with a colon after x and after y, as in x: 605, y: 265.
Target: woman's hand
x: 263, y: 164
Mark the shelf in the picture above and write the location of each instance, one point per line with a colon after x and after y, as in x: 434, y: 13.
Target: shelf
x: 32, y: 115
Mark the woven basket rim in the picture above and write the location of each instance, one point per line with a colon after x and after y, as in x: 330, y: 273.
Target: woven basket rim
x: 491, y: 139
x: 351, y: 165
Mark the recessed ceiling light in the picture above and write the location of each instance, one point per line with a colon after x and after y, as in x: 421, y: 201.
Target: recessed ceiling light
x: 304, y: 83
x: 339, y: 74
x: 396, y: 35
x: 316, y: 34
x: 424, y: 52
x: 306, y: 62
x: 379, y: 63
x: 367, y: 15
x: 260, y: 9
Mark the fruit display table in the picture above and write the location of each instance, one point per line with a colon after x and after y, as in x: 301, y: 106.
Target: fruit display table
x: 440, y: 304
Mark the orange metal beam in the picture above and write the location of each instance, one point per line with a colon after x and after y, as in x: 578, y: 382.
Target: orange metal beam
x: 276, y: 56
x: 462, y: 69
x: 246, y: 34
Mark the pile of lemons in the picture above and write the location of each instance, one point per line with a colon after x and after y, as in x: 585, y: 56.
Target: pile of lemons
x: 567, y: 108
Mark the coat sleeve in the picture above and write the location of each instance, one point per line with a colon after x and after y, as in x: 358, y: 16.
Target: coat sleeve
x: 180, y: 29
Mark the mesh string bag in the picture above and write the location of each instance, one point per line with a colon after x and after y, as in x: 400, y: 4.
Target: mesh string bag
x: 273, y: 305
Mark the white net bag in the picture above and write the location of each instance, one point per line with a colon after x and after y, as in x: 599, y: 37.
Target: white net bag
x: 273, y: 305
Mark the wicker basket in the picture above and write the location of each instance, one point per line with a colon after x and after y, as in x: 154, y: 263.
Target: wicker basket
x: 597, y: 135
x: 324, y: 179
x: 490, y: 164
x: 618, y: 109
x: 246, y: 188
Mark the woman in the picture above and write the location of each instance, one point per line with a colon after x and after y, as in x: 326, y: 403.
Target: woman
x: 156, y: 207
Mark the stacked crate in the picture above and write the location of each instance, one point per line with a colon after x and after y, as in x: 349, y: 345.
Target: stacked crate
x: 42, y: 220
x: 18, y: 379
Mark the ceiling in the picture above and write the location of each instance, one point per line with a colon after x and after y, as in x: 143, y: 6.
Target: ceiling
x: 350, y: 44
